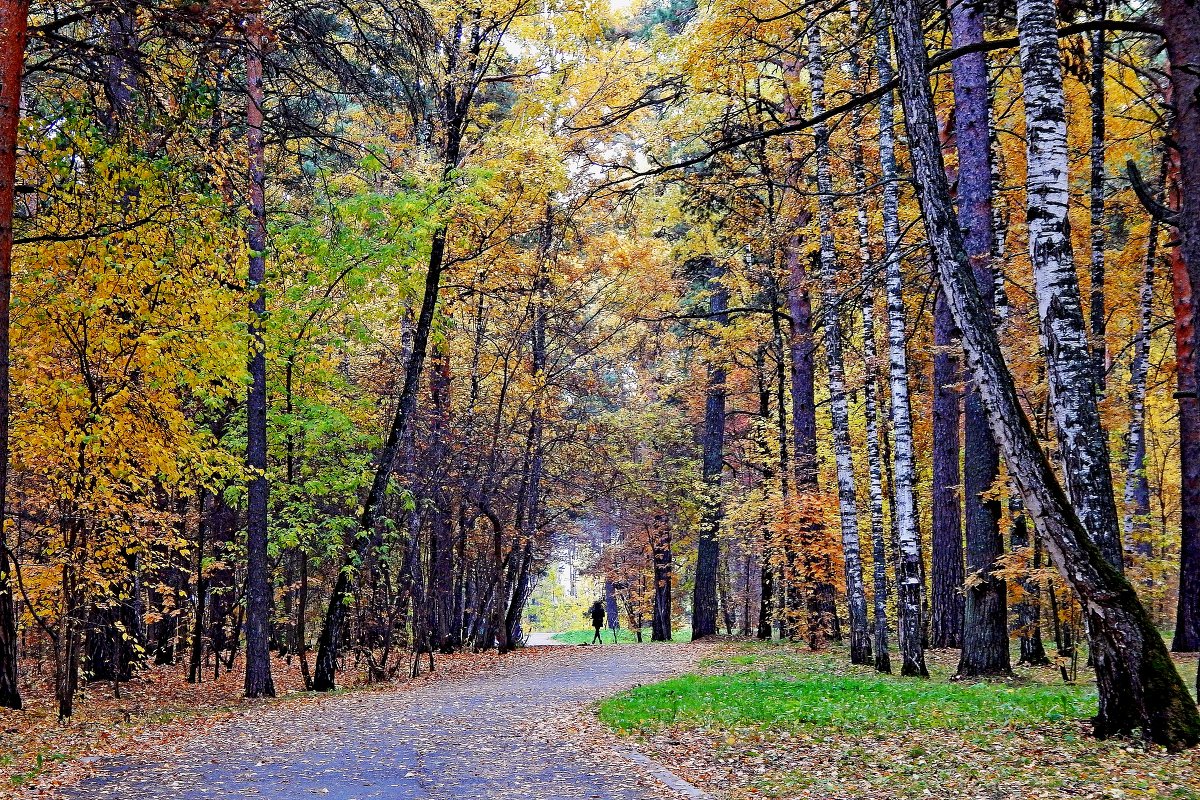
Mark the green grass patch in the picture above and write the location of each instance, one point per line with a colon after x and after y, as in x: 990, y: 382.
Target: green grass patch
x: 792, y: 693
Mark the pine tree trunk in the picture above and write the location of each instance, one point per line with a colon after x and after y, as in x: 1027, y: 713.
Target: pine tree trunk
x: 1138, y: 684
x: 947, y: 537
x: 704, y: 596
x: 910, y: 586
x: 985, y: 610
x: 1081, y: 436
x: 258, y: 588
x: 14, y: 22
x: 1181, y: 22
x: 860, y: 640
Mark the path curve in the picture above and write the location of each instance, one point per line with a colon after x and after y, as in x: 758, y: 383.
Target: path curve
x: 514, y: 732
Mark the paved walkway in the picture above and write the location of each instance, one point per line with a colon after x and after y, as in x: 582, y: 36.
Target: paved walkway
x: 512, y: 733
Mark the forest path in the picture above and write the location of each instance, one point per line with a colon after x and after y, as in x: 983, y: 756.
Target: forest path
x: 516, y: 731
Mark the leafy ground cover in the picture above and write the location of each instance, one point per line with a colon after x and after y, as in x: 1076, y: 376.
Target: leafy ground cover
x: 624, y: 636
x: 777, y: 721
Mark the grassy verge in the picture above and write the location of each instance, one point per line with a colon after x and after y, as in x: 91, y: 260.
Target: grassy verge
x: 777, y: 721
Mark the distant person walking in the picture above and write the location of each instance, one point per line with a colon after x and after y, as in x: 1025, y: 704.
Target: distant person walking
x: 598, y: 613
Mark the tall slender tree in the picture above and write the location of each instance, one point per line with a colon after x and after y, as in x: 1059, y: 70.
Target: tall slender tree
x: 1069, y: 365
x: 947, y: 573
x: 860, y: 639
x: 258, y: 587
x: 910, y: 581
x: 1181, y: 23
x: 985, y: 609
x: 704, y: 594
x: 14, y: 24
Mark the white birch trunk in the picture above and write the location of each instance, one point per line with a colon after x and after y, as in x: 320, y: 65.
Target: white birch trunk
x: 860, y: 641
x: 1060, y: 309
x: 909, y: 577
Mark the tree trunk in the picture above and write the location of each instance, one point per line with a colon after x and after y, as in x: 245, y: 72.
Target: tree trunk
x: 441, y: 557
x: 329, y: 639
x: 1029, y: 613
x: 1137, y: 488
x: 123, y: 68
x: 1096, y: 310
x: 660, y: 546
x: 14, y: 21
x: 910, y: 586
x: 860, y: 640
x: 258, y: 586
x: 1181, y: 22
x: 704, y: 598
x: 947, y: 545
x: 1138, y: 684
x: 985, y: 610
x: 1081, y: 436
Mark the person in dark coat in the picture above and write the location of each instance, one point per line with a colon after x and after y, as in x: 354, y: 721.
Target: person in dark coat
x: 598, y: 613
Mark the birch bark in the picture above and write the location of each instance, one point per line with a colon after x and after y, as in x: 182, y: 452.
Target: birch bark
x: 870, y: 378
x: 909, y: 577
x: 1081, y: 435
x: 860, y: 641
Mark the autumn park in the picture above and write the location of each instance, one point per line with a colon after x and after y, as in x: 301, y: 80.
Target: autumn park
x: 617, y: 399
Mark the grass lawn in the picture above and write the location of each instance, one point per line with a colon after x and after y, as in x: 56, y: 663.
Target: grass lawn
x: 771, y: 720
x: 624, y: 636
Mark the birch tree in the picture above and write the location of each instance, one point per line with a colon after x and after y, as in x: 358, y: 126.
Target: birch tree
x: 860, y: 641
x: 1065, y: 336
x: 909, y: 577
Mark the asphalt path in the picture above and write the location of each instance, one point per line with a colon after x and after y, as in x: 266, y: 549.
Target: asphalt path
x: 513, y: 732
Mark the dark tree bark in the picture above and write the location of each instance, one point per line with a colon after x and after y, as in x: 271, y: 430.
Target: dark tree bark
x: 258, y: 578
x: 441, y: 556
x: 1137, y: 487
x: 1029, y: 612
x: 123, y: 66
x: 985, y: 610
x: 947, y: 539
x: 660, y: 545
x: 14, y: 22
x: 1138, y: 684
x: 704, y: 596
x: 454, y: 106
x: 1181, y: 22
